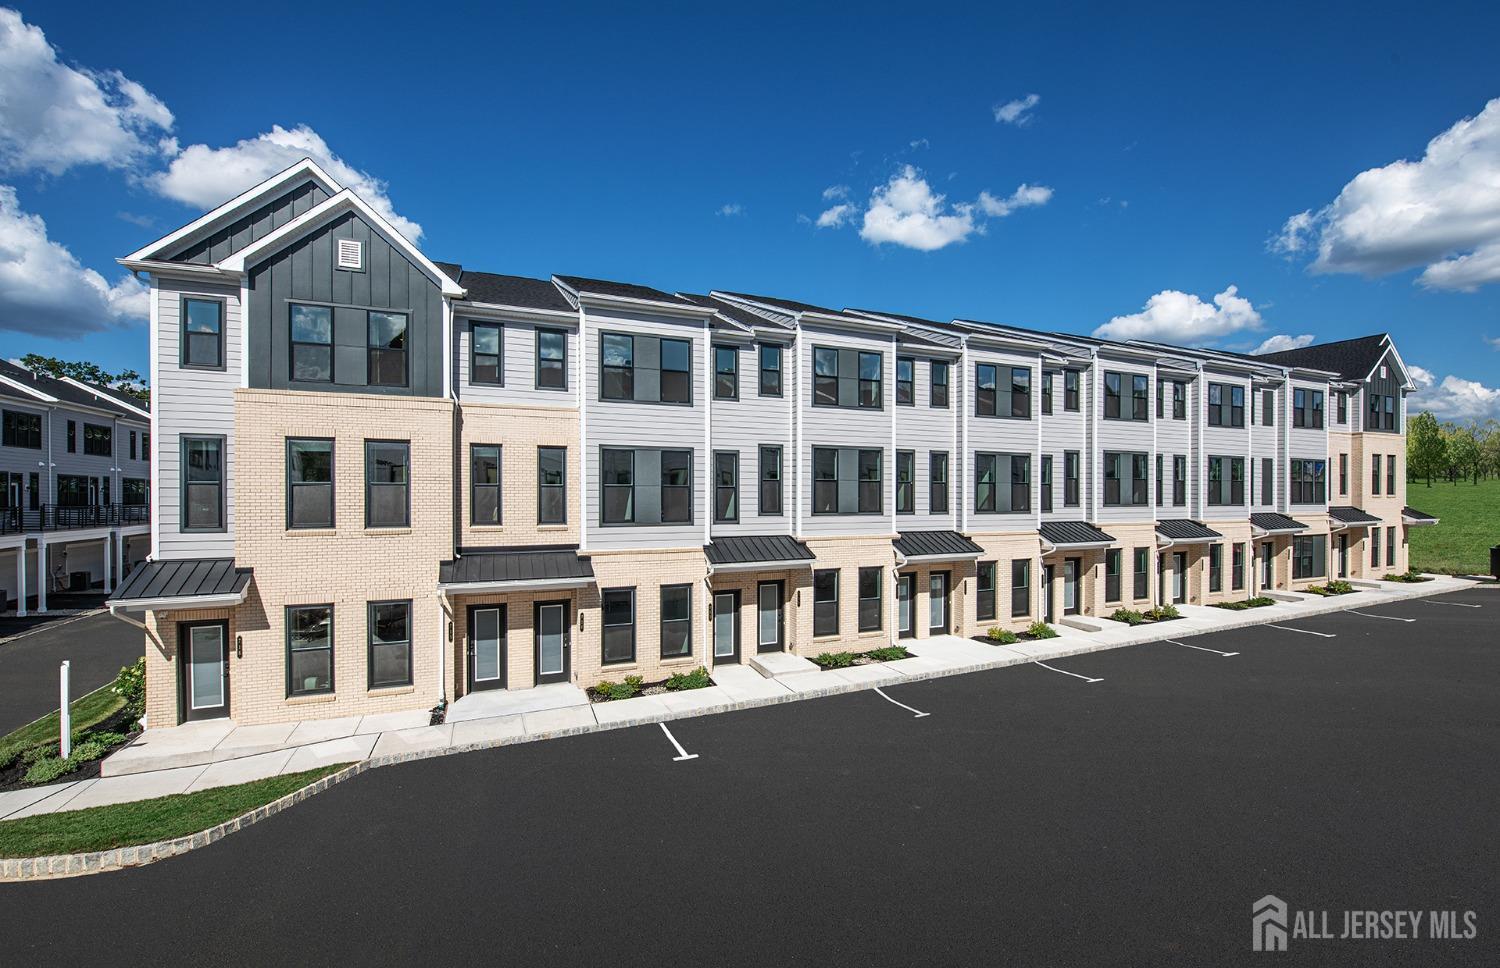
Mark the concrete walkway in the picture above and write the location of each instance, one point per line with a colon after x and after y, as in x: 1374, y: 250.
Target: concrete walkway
x: 198, y: 756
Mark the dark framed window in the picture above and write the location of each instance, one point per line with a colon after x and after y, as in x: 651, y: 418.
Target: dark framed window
x: 132, y: 445
x: 770, y: 370
x: 848, y: 481
x: 1118, y: 490
x: 984, y: 600
x: 311, y: 332
x: 645, y: 369
x: 825, y: 480
x: 1390, y: 475
x: 387, y: 483
x: 1343, y: 407
x: 1343, y: 475
x: 1139, y: 390
x: 1161, y: 386
x: 1141, y: 573
x: 992, y: 398
x: 1020, y: 587
x: 677, y: 487
x: 906, y: 482
x: 770, y: 481
x: 486, y: 354
x: 1268, y: 480
x: 616, y: 366
x: 1309, y: 556
x: 906, y: 381
x: 387, y: 349
x: 1112, y: 395
x: 1071, y: 482
x: 1046, y: 393
x: 1390, y: 414
x: 937, y: 392
x: 202, y: 333
x: 22, y: 429
x: 937, y: 482
x: 1226, y: 405
x: 1308, y: 481
x: 826, y: 602
x: 1375, y: 474
x: 133, y: 491
x: 825, y: 377
x: 1268, y: 408
x: 72, y: 437
x: 645, y: 486
x: 203, y: 484
x: 1070, y: 390
x: 1113, y: 559
x: 871, y: 481
x: 1374, y: 547
x: 552, y: 485
x: 1215, y: 568
x: 1160, y: 481
x: 73, y: 491
x: 484, y: 485
x: 847, y: 378
x: 551, y: 359
x: 1390, y: 547
x: 98, y: 440
x: 870, y: 377
x: 726, y: 485
x: 309, y: 483
x: 1226, y: 481
x: 390, y: 644
x: 1002, y: 483
x: 1307, y: 408
x: 617, y: 474
x: 617, y: 618
x: 1179, y: 480
x: 726, y: 373
x: 309, y: 649
x: 1179, y: 400
x: 1237, y: 567
x: 1046, y: 483
x: 870, y: 584
x: 676, y: 621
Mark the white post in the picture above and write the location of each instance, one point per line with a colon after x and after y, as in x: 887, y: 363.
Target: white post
x: 109, y: 560
x: 64, y: 715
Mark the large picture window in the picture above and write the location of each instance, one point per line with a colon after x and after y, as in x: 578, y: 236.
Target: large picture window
x: 1309, y: 556
x: 826, y: 602
x: 1002, y: 391
x: 645, y: 369
x: 847, y: 481
x: 309, y: 477
x: 311, y: 356
x: 1002, y: 483
x: 203, y: 484
x: 647, y: 486
x: 847, y: 378
x: 22, y: 430
x: 1309, y: 481
x: 387, y: 483
x: 1226, y: 405
x: 390, y: 644
x: 1120, y: 490
x: 1226, y: 481
x: 1307, y: 408
x: 484, y: 485
x: 387, y: 349
x: 551, y: 485
x: 309, y: 649
x: 98, y: 440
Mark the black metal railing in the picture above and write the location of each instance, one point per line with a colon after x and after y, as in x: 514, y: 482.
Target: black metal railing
x: 63, y: 517
x: 10, y: 521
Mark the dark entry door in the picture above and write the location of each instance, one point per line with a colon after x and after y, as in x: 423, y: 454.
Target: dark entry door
x: 486, y: 647
x: 1071, y: 604
x: 770, y: 617
x: 905, y: 592
x: 1268, y: 565
x: 1344, y: 556
x: 553, y: 645
x: 1049, y: 614
x: 1179, y: 577
x: 726, y: 621
x: 937, y: 603
x: 203, y: 662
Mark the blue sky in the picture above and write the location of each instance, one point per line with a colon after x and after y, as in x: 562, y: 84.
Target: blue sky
x: 1162, y: 152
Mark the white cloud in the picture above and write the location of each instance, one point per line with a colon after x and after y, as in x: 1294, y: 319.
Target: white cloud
x: 1017, y: 112
x: 1281, y: 342
x: 835, y: 192
x: 1493, y: 341
x: 1023, y: 197
x: 206, y: 177
x: 906, y: 211
x: 44, y: 290
x: 1452, y: 398
x: 920, y: 143
x: 836, y: 216
x: 1441, y: 212
x: 731, y: 208
x: 54, y: 117
x: 1178, y: 317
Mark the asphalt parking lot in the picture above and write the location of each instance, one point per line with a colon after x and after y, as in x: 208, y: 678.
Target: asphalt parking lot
x: 96, y: 645
x: 1031, y: 817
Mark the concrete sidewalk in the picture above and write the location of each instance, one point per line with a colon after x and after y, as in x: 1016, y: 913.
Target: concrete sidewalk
x: 199, y: 756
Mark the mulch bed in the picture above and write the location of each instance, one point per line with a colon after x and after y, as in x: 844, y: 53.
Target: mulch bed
x: 11, y: 777
x: 657, y: 688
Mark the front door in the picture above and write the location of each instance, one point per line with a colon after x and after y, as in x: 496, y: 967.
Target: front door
x: 1161, y: 579
x: 486, y: 647
x: 1070, y: 585
x: 905, y: 590
x: 553, y: 649
x: 1268, y: 565
x: 1344, y: 556
x: 770, y: 617
x: 1048, y: 614
x: 726, y: 627
x: 205, y: 669
x: 937, y: 603
x: 1179, y: 577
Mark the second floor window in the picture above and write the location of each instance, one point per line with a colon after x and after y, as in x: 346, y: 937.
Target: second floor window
x: 726, y: 486
x: 770, y: 481
x: 1307, y: 408
x: 1002, y: 483
x: 1070, y: 390
x: 906, y: 381
x: 22, y: 430
x: 1343, y: 407
x: 770, y: 370
x: 1046, y: 393
x: 847, y: 481
x: 484, y: 484
x: 847, y: 378
x: 551, y: 485
x: 1226, y: 481
x: 646, y: 486
x: 551, y: 359
x: 1046, y: 483
x: 1390, y: 475
x: 937, y: 395
x: 726, y: 373
x: 486, y: 354
x: 1117, y: 490
x: 1070, y: 478
x: 98, y: 440
x: 387, y: 484
x: 203, y: 484
x: 311, y: 356
x: 1308, y: 481
x: 387, y: 349
x: 309, y: 477
x: 1002, y: 391
x: 645, y: 369
x: 1226, y: 405
x: 906, y: 482
x: 203, y: 333
x: 937, y: 482
x: 1179, y: 481
x: 1267, y: 481
x: 1268, y: 408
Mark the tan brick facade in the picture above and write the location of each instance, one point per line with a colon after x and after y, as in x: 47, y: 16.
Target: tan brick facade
x: 518, y: 431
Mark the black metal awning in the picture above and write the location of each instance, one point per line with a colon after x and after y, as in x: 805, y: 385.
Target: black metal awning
x: 182, y: 583
x: 1182, y: 530
x: 1073, y: 534
x: 515, y: 569
x: 1267, y: 522
x: 935, y: 545
x: 743, y: 552
x: 1351, y: 517
x: 1414, y: 518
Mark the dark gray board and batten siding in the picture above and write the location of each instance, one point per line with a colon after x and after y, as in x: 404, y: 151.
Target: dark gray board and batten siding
x: 253, y: 226
x: 1389, y: 386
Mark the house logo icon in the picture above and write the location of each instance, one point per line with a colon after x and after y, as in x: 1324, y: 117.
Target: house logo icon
x: 1268, y: 919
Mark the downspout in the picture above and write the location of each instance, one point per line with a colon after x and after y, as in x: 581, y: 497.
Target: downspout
x: 895, y: 620
x: 797, y: 445
x: 583, y: 436
x: 708, y: 616
x: 708, y: 439
x: 450, y: 390
x: 961, y: 402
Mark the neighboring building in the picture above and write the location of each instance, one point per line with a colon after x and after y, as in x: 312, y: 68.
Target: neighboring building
x: 75, y: 486
x: 393, y: 481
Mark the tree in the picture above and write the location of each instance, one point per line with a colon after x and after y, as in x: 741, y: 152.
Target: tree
x: 1463, y: 453
x: 1426, y: 450
x: 1489, y: 446
x: 126, y: 381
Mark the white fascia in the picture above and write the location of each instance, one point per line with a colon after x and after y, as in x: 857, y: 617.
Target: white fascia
x: 108, y: 397
x: 22, y: 388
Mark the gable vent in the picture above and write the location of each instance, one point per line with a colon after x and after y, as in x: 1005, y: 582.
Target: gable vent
x: 351, y: 254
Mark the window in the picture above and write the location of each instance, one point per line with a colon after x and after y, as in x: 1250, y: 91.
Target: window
x: 676, y: 621
x: 1308, y: 482
x: 1375, y: 474
x: 1343, y: 407
x: 390, y: 644
x: 937, y: 482
x: 387, y: 350
x: 984, y: 603
x: 133, y: 491
x: 1215, y: 568
x: 825, y: 377
x: 937, y: 392
x: 1141, y: 573
x: 1226, y: 405
x: 484, y: 484
x: 726, y: 485
x: 647, y: 486
x: 72, y: 437
x: 1139, y: 389
x: 646, y: 369
x: 1020, y: 588
x: 726, y: 373
x: 73, y: 490
x: 1179, y: 480
x: 309, y: 649
x: 203, y: 333
x: 551, y: 359
x: 1160, y: 398
x: 847, y: 481
x: 906, y: 482
x: 1070, y: 478
x: 98, y: 441
x: 869, y: 599
x: 1112, y: 561
x: 1237, y: 568
x: 770, y: 370
x: 23, y: 430
x: 132, y: 445
x: 617, y: 617
x: 992, y: 473
x: 1070, y: 390
x: 1160, y: 482
x: 1179, y: 400
x: 871, y: 479
x: 826, y: 602
x: 551, y: 485
x: 486, y: 342
x: 311, y: 356
x: 203, y: 484
x: 387, y: 484
x: 1116, y: 492
x: 847, y: 378
x: 1226, y: 481
x: 1374, y: 547
x: 1390, y: 547
x: 994, y: 400
x: 1046, y: 483
x: 770, y: 481
x: 1268, y: 408
x: 1307, y: 408
x: 1390, y: 475
x: 309, y: 480
x: 906, y: 381
x: 1343, y: 474
x: 616, y: 366
x: 1267, y: 480
x: 617, y: 469
x: 1112, y: 396
x: 1309, y: 556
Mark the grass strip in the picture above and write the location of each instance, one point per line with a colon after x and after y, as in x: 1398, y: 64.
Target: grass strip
x: 88, y: 710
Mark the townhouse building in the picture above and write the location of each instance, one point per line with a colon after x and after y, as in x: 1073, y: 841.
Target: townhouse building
x: 393, y: 482
x: 75, y: 491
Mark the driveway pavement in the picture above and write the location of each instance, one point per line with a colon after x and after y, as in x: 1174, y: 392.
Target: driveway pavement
x: 97, y: 645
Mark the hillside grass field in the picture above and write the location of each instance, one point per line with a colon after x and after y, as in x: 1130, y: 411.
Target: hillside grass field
x: 1470, y: 514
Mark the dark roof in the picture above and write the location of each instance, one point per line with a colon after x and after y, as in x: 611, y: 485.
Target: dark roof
x: 1266, y: 521
x: 1352, y: 359
x: 1348, y: 515
x: 744, y: 549
x: 918, y: 320
x: 1181, y: 529
x: 98, y: 397
x: 627, y: 290
x: 739, y: 314
x: 1072, y: 533
x: 935, y: 544
x: 1415, y: 515
x: 790, y: 305
x: 183, y: 578
x: 534, y: 563
x: 503, y: 290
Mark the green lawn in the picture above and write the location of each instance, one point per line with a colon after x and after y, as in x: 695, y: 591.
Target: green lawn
x: 88, y: 710
x: 1460, y: 545
x: 145, y: 821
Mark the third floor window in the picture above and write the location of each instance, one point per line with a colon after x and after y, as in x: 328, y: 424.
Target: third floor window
x: 847, y: 480
x: 726, y: 373
x: 1002, y: 483
x: 1125, y: 479
x: 1116, y: 406
x: 906, y: 381
x: 847, y: 378
x: 770, y: 370
x: 1002, y: 391
x: 1226, y: 405
x: 1307, y: 408
x: 937, y: 395
x: 645, y: 369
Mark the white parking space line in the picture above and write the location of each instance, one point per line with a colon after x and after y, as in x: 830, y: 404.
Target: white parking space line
x: 682, y: 754
x: 918, y: 712
x: 1450, y: 604
x: 1388, y: 618
x: 1288, y: 628
x: 1065, y: 672
x: 1200, y: 648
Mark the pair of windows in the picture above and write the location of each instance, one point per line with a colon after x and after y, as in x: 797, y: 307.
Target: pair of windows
x: 1309, y: 483
x: 847, y: 378
x: 1020, y: 589
x: 1002, y: 483
x: 98, y: 441
x: 848, y: 480
x: 486, y: 497
x: 826, y: 600
x: 310, y: 483
x: 1118, y: 491
x: 646, y: 486
x: 618, y: 621
x: 1226, y: 481
x: 1307, y: 408
x: 22, y: 429
x: 645, y: 369
x: 906, y: 483
x: 1226, y: 405
x: 487, y: 356
x: 1002, y: 391
x: 1382, y: 412
x: 1115, y: 387
x: 1177, y: 390
x: 309, y: 647
x: 1309, y: 557
x: 906, y: 389
x: 320, y: 349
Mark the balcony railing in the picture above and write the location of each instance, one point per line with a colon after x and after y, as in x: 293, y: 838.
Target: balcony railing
x: 58, y: 517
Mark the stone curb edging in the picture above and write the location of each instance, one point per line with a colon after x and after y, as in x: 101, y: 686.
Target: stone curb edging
x: 119, y: 858
x: 73, y: 865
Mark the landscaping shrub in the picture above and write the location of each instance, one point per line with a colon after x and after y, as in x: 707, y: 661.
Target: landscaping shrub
x: 1260, y: 601
x: 1339, y: 587
x: 1129, y: 616
x: 697, y: 679
x: 889, y: 653
x: 1410, y: 578
x: 1162, y: 612
x: 50, y: 768
x: 619, y: 690
x: 1318, y: 590
x: 1232, y: 606
x: 1041, y: 630
x: 1002, y: 636
x: 834, y: 660
x: 130, y: 685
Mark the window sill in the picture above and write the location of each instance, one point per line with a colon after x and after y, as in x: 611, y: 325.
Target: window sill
x: 387, y: 532
x: 311, y: 532
x: 391, y: 691
x: 552, y: 527
x: 321, y: 697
